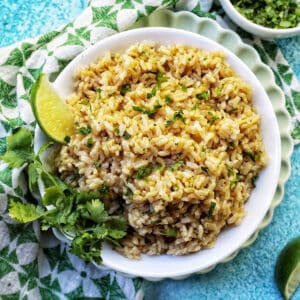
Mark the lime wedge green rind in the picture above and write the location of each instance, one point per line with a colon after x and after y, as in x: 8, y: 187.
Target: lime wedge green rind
x: 287, y: 270
x: 52, y: 114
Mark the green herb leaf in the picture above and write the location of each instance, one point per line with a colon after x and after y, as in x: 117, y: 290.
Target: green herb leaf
x: 168, y: 99
x: 85, y: 130
x: 253, y: 181
x: 204, y: 169
x: 203, y: 96
x: 125, y: 88
x: 147, y: 111
x: 67, y: 139
x: 126, y: 135
x: 250, y: 154
x: 129, y: 193
x: 184, y: 88
x: 172, y: 232
x: 177, y: 165
x: 161, y: 77
x: 143, y: 172
x: 90, y: 142
x: 178, y: 115
x: 152, y: 93
x: 211, y: 209
x: 85, y: 102
x: 99, y: 91
x: 97, y: 164
x: 24, y: 213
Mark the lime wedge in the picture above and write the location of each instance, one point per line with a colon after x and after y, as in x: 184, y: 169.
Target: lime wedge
x: 287, y: 270
x: 52, y: 114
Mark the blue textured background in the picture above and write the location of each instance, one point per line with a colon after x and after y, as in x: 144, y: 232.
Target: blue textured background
x: 250, y: 274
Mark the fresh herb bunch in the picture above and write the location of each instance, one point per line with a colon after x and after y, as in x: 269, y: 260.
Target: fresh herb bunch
x: 81, y: 213
x: 277, y: 14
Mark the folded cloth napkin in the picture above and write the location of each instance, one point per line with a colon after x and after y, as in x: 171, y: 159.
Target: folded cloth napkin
x: 35, y: 265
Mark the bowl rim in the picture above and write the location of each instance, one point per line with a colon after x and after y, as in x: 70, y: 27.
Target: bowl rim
x: 246, y: 237
x: 266, y: 30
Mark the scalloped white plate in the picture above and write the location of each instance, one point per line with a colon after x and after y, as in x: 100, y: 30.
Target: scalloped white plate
x: 269, y: 190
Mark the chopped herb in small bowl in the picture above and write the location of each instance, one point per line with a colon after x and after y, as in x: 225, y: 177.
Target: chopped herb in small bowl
x: 267, y: 19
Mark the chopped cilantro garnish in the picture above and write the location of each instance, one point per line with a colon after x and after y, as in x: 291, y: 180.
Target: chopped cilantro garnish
x: 99, y: 90
x: 172, y: 232
x: 143, y: 172
x: 204, y: 169
x: 178, y: 115
x: 253, y: 181
x: 85, y: 130
x: 203, y: 96
x: 67, y: 139
x: 212, y: 118
x: 104, y: 188
x: 161, y: 77
x: 184, y: 88
x: 230, y: 144
x: 97, y: 164
x: 211, y: 209
x: 117, y: 130
x: 251, y: 155
x: 176, y: 165
x: 219, y: 90
x: 235, y: 181
x: 85, y: 102
x: 232, y: 110
x: 147, y: 111
x: 152, y: 93
x: 157, y: 221
x: 230, y: 170
x: 125, y: 88
x: 168, y: 99
x: 126, y: 135
x: 129, y: 192
x: 90, y: 142
x: 273, y: 14
x: 195, y: 106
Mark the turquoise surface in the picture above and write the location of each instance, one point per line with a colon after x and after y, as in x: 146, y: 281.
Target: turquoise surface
x: 250, y: 274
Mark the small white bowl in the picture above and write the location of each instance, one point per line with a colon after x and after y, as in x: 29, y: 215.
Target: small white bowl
x: 260, y: 31
x: 230, y: 239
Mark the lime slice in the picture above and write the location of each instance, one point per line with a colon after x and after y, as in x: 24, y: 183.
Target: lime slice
x: 287, y: 270
x: 52, y: 113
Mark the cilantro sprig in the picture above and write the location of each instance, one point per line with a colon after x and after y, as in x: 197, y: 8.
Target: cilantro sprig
x: 82, y: 213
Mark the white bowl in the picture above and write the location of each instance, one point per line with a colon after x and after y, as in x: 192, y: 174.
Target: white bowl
x: 230, y: 240
x: 261, y: 31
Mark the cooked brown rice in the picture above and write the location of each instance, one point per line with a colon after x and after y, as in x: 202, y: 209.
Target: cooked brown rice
x: 173, y: 133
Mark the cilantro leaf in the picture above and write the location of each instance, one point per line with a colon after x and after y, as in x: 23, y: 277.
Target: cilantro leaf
x: 81, y: 213
x: 25, y: 212
x: 149, y: 112
x: 177, y: 165
x: 152, y: 93
x: 143, y: 172
x: 95, y: 211
x: 211, y: 209
x: 125, y: 88
x: 161, y: 77
x: 172, y: 232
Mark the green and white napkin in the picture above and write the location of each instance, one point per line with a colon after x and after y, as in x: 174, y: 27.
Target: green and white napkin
x: 35, y: 265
